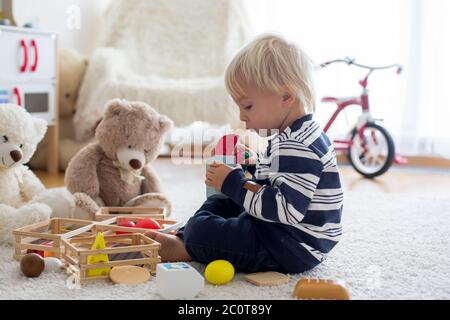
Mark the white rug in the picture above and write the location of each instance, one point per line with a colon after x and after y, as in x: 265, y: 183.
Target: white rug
x: 394, y: 247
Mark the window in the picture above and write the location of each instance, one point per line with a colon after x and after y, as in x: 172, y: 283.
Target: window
x: 415, y: 33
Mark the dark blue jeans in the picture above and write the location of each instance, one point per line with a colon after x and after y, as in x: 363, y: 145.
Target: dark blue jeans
x: 221, y: 229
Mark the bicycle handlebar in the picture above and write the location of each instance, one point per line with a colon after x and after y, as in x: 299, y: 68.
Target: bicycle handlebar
x: 351, y: 62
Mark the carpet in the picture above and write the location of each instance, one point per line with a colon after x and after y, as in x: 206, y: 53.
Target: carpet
x: 394, y: 246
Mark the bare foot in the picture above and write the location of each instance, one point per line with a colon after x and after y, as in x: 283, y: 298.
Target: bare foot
x: 172, y: 247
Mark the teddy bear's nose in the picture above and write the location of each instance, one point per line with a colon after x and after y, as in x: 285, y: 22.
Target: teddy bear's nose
x: 16, y: 155
x: 135, y: 164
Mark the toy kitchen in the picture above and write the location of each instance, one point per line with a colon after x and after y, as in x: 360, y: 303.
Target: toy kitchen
x: 28, y: 68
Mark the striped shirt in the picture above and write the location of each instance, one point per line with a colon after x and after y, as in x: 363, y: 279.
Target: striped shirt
x: 298, y: 209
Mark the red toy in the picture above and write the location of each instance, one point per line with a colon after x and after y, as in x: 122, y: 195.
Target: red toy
x: 149, y: 223
x: 227, y: 150
x: 42, y: 253
x: 226, y: 145
x: 126, y: 223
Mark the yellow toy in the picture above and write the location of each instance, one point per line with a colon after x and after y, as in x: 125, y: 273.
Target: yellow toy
x: 219, y: 272
x: 99, y: 244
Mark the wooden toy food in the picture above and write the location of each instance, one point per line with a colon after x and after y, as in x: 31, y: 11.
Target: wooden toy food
x: 32, y: 265
x: 267, y: 278
x: 125, y: 223
x: 130, y: 275
x: 319, y: 289
x: 142, y: 225
x: 43, y: 253
x: 148, y: 223
x: 99, y: 244
x: 53, y: 264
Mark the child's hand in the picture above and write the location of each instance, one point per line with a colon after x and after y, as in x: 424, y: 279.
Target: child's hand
x: 216, y: 174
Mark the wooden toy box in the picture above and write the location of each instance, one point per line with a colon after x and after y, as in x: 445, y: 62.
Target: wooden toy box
x: 34, y: 237
x: 71, y: 240
x: 126, y: 249
x: 111, y: 226
x: 106, y: 213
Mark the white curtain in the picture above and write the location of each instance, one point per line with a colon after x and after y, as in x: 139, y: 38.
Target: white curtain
x: 415, y: 106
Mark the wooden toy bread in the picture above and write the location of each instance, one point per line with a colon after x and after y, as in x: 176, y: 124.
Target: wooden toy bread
x: 321, y: 290
x: 267, y: 278
x: 130, y: 275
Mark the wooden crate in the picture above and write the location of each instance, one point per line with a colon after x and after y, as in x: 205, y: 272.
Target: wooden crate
x: 34, y: 236
x: 106, y: 213
x: 77, y: 250
x: 111, y: 226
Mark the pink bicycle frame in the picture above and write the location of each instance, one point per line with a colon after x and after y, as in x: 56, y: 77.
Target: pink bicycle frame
x: 363, y: 101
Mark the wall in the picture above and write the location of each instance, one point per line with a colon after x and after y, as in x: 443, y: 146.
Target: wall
x: 76, y: 21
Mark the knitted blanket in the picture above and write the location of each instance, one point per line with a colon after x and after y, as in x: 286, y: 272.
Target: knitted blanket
x: 171, y: 54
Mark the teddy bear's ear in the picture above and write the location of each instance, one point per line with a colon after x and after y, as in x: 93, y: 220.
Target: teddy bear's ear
x: 115, y: 107
x: 165, y: 124
x: 40, y: 126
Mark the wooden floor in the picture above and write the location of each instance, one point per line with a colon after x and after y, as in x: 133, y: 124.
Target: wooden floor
x: 405, y: 180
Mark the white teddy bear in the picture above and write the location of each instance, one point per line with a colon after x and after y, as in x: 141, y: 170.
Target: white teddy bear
x: 23, y: 198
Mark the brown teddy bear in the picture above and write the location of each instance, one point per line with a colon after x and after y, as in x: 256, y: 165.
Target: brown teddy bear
x: 72, y: 68
x: 115, y: 170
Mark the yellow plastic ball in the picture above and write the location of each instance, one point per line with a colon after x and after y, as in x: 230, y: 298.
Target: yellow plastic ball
x: 219, y: 272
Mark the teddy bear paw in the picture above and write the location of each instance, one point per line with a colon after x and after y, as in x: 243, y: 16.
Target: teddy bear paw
x: 88, y: 206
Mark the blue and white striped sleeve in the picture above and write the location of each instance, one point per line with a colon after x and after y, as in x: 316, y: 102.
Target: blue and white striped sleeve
x: 292, y: 187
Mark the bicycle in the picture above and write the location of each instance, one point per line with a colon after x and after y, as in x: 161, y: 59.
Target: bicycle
x: 370, y: 147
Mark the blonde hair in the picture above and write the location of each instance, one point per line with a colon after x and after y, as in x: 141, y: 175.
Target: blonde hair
x: 271, y: 63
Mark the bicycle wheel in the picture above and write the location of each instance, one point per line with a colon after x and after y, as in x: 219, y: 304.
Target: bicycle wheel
x: 372, y: 152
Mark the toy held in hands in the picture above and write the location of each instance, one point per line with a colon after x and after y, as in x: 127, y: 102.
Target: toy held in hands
x: 227, y: 152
